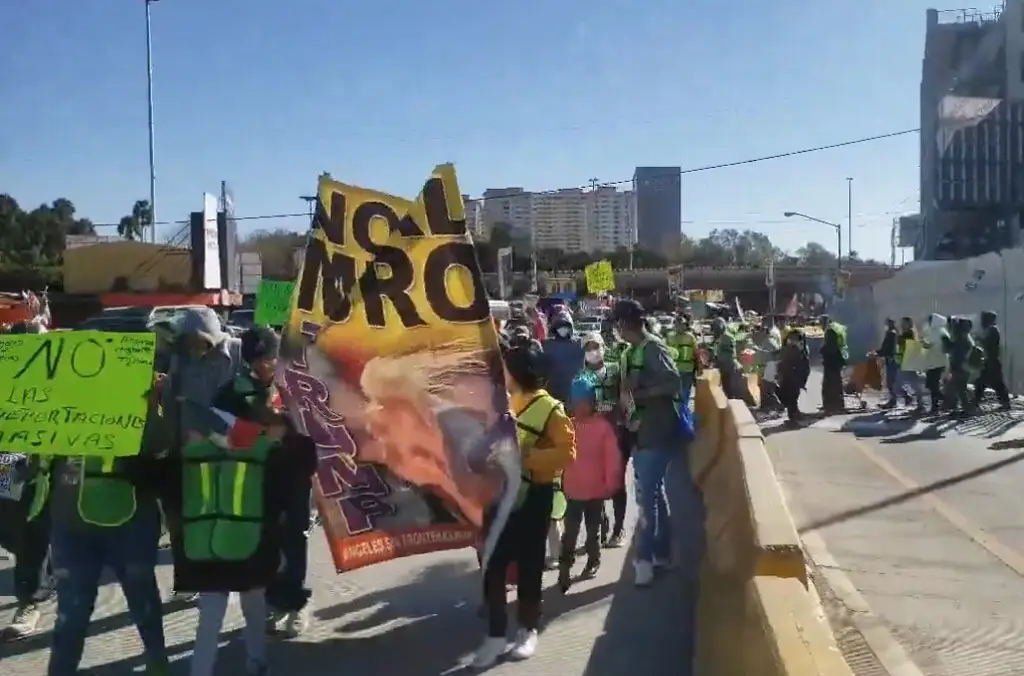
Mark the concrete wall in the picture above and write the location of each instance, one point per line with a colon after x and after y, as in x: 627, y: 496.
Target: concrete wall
x: 757, y: 613
x: 146, y: 267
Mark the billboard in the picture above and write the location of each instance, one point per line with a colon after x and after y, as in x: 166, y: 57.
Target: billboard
x: 227, y: 241
x: 909, y: 231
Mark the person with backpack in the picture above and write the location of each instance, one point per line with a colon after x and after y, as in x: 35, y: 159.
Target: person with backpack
x: 650, y: 391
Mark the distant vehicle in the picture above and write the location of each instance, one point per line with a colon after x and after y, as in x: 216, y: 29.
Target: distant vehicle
x: 588, y: 325
x: 135, y: 319
x: 243, y: 319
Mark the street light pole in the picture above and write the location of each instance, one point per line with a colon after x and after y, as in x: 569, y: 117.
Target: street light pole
x: 152, y: 135
x: 849, y: 218
x: 839, y: 236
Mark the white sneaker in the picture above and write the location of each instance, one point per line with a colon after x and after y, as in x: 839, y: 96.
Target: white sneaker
x: 643, y: 572
x: 489, y: 652
x: 23, y: 624
x: 296, y: 622
x: 525, y: 644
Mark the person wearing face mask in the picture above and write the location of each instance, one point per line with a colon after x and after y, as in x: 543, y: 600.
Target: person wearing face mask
x: 563, y: 355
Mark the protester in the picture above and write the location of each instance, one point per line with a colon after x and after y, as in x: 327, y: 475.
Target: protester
x: 203, y: 359
x: 233, y: 543
x: 887, y: 353
x: 992, y: 371
x: 29, y: 541
x: 960, y: 349
x: 650, y: 390
x: 547, y: 442
x: 935, y: 341
x: 794, y: 369
x: 907, y: 347
x: 834, y: 356
x: 593, y: 477
x: 563, y: 355
x: 684, y: 342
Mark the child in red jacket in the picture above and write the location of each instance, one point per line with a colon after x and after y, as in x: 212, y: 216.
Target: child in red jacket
x: 593, y: 477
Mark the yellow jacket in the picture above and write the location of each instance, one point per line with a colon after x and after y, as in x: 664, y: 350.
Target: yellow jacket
x: 555, y: 449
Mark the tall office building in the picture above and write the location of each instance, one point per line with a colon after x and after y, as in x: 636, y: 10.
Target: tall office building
x: 659, y: 211
x: 972, y: 132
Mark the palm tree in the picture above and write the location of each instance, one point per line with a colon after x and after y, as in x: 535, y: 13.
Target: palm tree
x: 132, y: 226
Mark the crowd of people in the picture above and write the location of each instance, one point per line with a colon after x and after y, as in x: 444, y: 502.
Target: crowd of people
x: 585, y: 406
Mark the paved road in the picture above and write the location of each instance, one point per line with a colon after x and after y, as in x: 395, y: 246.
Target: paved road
x: 917, y: 530
x: 412, y: 616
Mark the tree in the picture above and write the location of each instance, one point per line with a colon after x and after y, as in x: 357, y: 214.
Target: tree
x: 132, y: 226
x: 32, y: 242
x: 815, y: 255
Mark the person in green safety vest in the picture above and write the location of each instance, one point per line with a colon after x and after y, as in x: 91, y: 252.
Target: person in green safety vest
x: 103, y: 514
x: 834, y: 356
x: 230, y: 484
x: 725, y: 359
x: 684, y: 342
x: 547, y: 443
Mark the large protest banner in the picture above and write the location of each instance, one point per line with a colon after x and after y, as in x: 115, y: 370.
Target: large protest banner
x: 75, y: 393
x: 390, y: 363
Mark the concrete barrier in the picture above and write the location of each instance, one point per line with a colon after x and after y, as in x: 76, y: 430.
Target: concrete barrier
x: 756, y: 614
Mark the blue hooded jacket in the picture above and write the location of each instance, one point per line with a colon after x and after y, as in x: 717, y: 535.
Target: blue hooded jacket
x: 564, y: 357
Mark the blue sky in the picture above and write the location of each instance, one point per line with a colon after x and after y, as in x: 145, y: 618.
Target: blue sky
x: 538, y: 93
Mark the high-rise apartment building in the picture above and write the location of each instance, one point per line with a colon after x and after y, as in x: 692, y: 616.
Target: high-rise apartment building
x: 610, y: 215
x: 507, y: 205
x: 560, y: 220
x: 659, y: 210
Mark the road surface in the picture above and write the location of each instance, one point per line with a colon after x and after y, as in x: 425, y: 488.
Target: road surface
x: 916, y: 529
x: 412, y: 616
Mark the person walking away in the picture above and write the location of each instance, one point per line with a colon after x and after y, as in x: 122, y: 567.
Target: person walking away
x: 230, y: 539
x: 593, y: 477
x: 725, y: 360
x: 103, y: 514
x: 547, y: 442
x: 834, y: 356
x: 29, y: 541
x: 684, y: 343
x: 794, y: 368
x: 203, y: 359
x: 650, y: 391
x: 961, y: 347
x: 907, y: 356
x: 992, y: 371
x: 564, y: 356
x: 887, y: 353
x: 934, y: 340
x: 614, y: 348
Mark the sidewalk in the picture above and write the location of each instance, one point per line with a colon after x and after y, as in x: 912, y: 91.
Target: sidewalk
x: 916, y: 540
x: 413, y: 616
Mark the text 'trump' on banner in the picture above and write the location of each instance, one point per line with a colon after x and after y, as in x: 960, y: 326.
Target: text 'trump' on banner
x: 390, y: 363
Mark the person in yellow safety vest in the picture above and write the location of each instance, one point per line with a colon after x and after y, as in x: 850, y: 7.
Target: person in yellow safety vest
x: 101, y: 519
x: 28, y: 540
x: 548, y: 444
x: 834, y: 356
x: 684, y: 342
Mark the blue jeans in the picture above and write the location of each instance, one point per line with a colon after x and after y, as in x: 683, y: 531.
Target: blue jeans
x: 78, y: 560
x: 650, y: 466
x: 687, y: 381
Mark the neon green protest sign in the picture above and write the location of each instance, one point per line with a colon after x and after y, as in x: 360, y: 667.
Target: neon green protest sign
x: 75, y: 393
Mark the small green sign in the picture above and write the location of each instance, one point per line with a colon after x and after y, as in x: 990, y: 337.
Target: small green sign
x: 273, y: 302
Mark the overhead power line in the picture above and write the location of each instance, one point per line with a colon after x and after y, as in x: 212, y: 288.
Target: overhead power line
x: 626, y: 181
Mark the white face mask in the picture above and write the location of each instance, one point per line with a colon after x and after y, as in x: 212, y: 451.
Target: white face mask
x: 594, y: 356
x: 563, y: 331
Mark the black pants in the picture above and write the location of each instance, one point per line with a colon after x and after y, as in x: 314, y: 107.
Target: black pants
x: 578, y: 512
x: 620, y: 500
x: 832, y: 397
x: 523, y: 541
x: 933, y: 383
x: 288, y: 592
x: 29, y: 541
x: 991, y: 376
x: 789, y: 396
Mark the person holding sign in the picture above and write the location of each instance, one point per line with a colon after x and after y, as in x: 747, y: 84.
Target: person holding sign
x: 101, y: 516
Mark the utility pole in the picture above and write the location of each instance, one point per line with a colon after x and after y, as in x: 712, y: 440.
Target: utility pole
x: 591, y: 213
x: 152, y: 129
x: 849, y: 219
x: 892, y: 243
x: 310, y: 201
